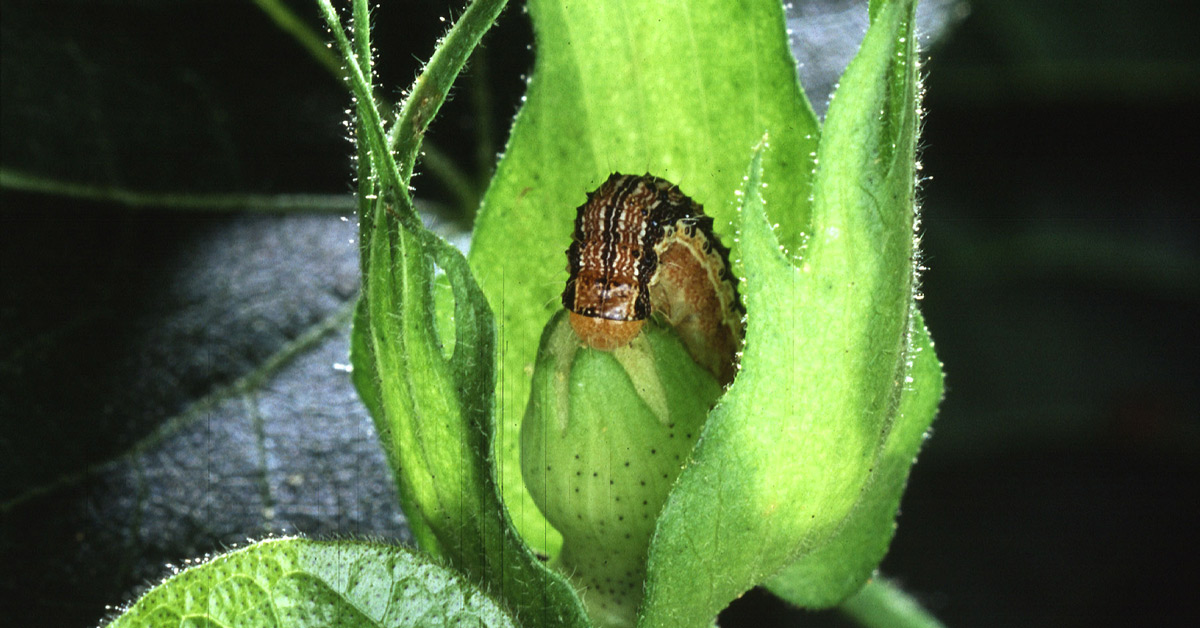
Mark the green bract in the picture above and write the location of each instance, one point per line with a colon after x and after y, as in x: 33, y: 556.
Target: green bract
x: 801, y: 465
x: 680, y: 90
x: 794, y: 447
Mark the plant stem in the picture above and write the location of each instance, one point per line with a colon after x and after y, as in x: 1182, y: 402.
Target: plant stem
x: 366, y: 178
x: 370, y: 121
x: 431, y: 88
x: 881, y: 604
x: 266, y: 203
x: 362, y: 39
x: 447, y: 171
x: 423, y: 102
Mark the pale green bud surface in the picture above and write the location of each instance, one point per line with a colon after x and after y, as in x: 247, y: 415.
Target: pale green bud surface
x: 605, y: 436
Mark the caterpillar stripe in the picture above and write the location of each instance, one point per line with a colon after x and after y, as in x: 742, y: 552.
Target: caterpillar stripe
x: 641, y: 247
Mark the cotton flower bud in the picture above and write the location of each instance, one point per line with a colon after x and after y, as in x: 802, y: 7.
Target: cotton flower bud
x: 604, y: 437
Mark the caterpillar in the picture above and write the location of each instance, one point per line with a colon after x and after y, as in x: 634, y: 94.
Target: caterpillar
x: 641, y: 247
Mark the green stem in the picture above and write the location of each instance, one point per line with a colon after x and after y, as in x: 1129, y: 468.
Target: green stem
x: 370, y: 120
x: 448, y: 173
x: 362, y: 39
x: 266, y: 203
x: 881, y: 604
x: 423, y: 102
x: 431, y: 88
x: 367, y: 181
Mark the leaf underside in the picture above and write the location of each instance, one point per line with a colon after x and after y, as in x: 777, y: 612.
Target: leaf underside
x: 838, y: 568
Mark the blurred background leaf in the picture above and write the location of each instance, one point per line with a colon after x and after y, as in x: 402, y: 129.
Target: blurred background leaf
x: 172, y: 381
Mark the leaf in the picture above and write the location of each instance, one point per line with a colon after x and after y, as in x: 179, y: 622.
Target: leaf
x: 207, y: 390
x: 433, y: 411
x: 680, y: 90
x: 420, y: 418
x: 365, y: 376
x: 842, y: 565
x: 435, y: 417
x: 297, y: 583
x: 785, y: 456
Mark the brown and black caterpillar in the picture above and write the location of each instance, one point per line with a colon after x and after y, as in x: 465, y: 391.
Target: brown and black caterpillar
x: 641, y: 247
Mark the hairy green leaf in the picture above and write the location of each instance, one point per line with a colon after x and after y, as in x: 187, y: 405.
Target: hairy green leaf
x: 841, y: 566
x: 434, y: 417
x: 787, y: 454
x: 295, y: 583
x: 433, y: 411
x: 681, y: 90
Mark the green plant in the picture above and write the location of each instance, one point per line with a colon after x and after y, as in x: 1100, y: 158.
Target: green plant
x: 799, y: 468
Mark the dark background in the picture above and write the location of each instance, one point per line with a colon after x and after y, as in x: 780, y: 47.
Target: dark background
x: 172, y: 382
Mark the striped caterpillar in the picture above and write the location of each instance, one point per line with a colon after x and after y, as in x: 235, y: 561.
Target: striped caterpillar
x: 640, y: 248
